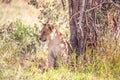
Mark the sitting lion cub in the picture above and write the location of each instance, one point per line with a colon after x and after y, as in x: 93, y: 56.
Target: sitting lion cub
x: 58, y: 46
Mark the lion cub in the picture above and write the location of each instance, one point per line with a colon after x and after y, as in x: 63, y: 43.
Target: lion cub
x: 58, y: 46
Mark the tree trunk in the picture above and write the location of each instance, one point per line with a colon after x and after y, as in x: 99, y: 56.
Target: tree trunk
x: 86, y: 17
x: 82, y: 26
x: 77, y: 38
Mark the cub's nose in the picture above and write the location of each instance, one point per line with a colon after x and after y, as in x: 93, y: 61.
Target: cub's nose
x: 40, y: 38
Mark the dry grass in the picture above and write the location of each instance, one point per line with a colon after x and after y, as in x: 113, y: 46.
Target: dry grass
x: 18, y: 9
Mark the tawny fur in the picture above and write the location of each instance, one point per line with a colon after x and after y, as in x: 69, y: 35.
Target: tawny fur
x: 58, y: 46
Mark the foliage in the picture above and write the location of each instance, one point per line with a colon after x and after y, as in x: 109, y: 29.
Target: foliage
x: 23, y: 36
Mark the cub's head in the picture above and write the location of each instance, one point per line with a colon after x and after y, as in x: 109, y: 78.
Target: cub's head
x: 45, y: 32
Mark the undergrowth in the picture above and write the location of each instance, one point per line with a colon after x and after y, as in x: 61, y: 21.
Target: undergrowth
x: 21, y: 53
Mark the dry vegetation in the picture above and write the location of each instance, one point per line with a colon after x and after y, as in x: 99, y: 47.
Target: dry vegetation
x: 21, y: 53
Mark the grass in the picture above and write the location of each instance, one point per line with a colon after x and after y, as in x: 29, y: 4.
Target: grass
x: 13, y: 66
x: 18, y: 10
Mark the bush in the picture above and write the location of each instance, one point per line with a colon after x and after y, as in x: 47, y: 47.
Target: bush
x: 23, y: 36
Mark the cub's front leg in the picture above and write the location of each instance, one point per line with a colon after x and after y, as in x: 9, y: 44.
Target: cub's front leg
x: 52, y: 60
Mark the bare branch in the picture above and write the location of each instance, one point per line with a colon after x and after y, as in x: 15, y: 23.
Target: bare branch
x: 81, y: 17
x: 63, y: 4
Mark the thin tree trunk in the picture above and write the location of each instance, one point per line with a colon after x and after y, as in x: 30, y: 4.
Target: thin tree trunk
x: 73, y: 30
x: 80, y: 29
x: 77, y: 38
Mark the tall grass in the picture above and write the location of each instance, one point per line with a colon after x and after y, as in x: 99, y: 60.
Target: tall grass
x: 20, y: 59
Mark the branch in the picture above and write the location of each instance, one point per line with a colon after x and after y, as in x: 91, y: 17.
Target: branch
x: 81, y: 17
x: 94, y: 7
x: 86, y: 11
x: 63, y: 4
x: 115, y: 4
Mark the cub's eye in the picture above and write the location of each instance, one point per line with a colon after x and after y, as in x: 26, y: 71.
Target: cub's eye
x: 44, y: 32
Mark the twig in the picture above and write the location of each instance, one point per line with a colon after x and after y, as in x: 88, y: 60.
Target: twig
x: 94, y: 8
x: 115, y: 4
x: 63, y: 4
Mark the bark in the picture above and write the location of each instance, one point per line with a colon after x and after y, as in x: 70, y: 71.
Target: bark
x: 73, y: 30
x: 77, y: 38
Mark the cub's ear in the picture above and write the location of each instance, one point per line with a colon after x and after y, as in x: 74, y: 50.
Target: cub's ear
x: 51, y: 27
x: 44, y: 24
